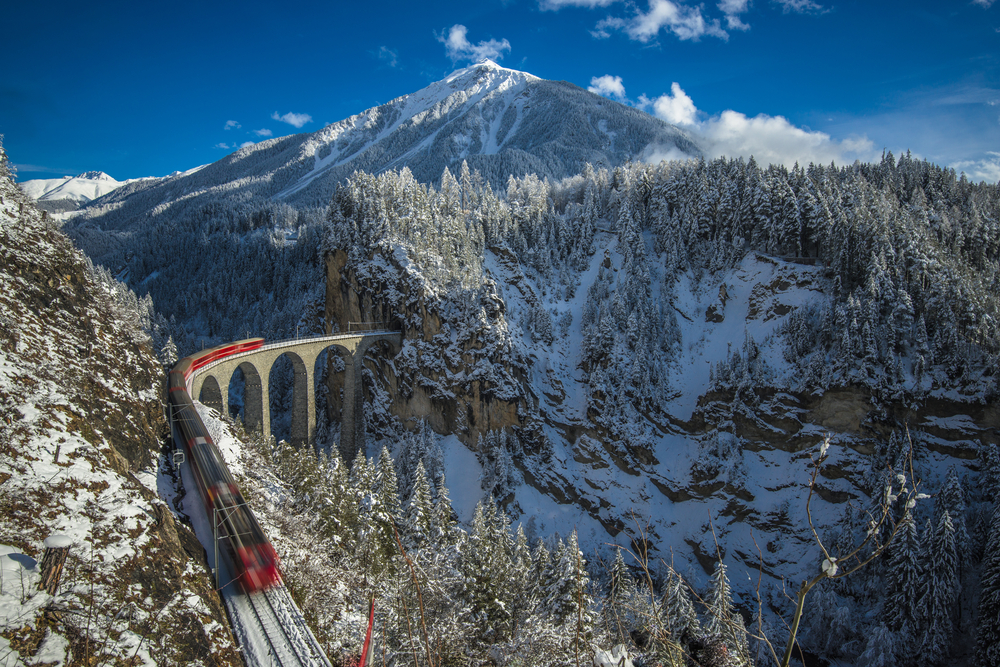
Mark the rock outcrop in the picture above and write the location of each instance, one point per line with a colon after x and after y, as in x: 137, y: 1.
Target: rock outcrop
x: 457, y: 369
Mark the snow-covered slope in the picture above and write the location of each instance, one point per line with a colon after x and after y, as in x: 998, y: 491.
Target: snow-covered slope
x: 81, y: 427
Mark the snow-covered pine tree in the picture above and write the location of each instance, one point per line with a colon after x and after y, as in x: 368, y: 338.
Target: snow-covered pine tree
x: 951, y: 499
x: 541, y: 561
x: 411, y: 452
x: 989, y: 482
x: 416, y: 522
x: 486, y: 566
x: 445, y: 529
x: 723, y: 623
x: 880, y: 650
x: 681, y: 617
x: 567, y: 596
x: 902, y: 585
x: 522, y: 581
x: 386, y: 512
x: 619, y: 610
x: 988, y: 631
x: 938, y: 590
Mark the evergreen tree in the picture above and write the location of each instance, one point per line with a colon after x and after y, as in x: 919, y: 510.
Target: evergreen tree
x: 386, y: 513
x: 445, y: 528
x: 567, y: 598
x: 419, y: 511
x: 681, y: 617
x: 622, y: 583
x: 938, y: 590
x: 388, y: 487
x: 524, y: 589
x: 487, y: 568
x: 724, y: 622
x: 988, y: 632
x: 620, y: 608
x: 902, y: 587
x: 951, y: 500
x: 880, y: 650
x: 541, y: 561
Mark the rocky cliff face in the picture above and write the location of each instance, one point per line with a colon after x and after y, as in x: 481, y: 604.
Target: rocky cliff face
x: 81, y: 427
x: 457, y: 369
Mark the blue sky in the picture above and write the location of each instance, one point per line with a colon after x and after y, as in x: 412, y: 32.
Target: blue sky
x: 135, y: 89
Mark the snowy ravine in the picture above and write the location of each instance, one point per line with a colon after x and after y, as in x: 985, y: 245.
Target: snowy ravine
x: 665, y: 373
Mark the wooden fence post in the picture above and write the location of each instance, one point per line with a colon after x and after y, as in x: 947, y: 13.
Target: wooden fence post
x: 56, y: 550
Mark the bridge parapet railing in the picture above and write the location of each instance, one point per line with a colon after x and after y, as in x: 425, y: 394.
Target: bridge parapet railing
x: 366, y: 327
x: 290, y: 342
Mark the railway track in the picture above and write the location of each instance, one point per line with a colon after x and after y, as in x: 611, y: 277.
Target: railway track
x: 268, y: 626
x: 288, y: 640
x: 271, y: 630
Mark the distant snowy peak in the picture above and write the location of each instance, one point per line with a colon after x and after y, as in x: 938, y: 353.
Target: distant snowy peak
x: 502, y: 121
x: 76, y: 189
x: 486, y: 68
x: 95, y: 176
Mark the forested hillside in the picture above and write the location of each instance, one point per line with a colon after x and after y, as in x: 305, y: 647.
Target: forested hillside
x: 910, y: 253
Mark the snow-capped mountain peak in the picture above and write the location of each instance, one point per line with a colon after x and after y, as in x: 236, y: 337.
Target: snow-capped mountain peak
x: 69, y: 191
x: 500, y: 121
x: 94, y: 176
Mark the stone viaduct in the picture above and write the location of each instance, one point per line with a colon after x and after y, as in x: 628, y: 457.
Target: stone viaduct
x: 210, y: 384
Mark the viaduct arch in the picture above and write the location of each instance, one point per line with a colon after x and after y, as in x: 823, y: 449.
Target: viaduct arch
x: 211, y: 384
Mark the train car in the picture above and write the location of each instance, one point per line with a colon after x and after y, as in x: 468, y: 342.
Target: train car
x: 251, y: 554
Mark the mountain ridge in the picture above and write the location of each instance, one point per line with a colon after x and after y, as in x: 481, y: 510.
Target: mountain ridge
x: 502, y: 122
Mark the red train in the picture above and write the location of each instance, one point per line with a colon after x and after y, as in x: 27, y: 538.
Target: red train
x: 251, y: 554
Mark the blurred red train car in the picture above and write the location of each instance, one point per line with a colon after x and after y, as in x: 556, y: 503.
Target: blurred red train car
x: 254, y: 561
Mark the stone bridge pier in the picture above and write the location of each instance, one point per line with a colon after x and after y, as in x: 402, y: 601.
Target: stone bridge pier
x: 210, y: 385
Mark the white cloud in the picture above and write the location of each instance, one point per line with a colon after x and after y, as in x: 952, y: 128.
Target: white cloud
x: 21, y: 166
x: 985, y: 4
x: 987, y: 169
x: 556, y: 5
x: 388, y: 56
x: 608, y: 86
x: 263, y: 132
x: 246, y: 143
x: 675, y: 107
x: 684, y: 22
x: 802, y: 6
x: 770, y: 139
x: 224, y: 146
x: 459, y: 47
x: 655, y: 154
x: 232, y: 125
x: 732, y: 9
x: 294, y: 119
